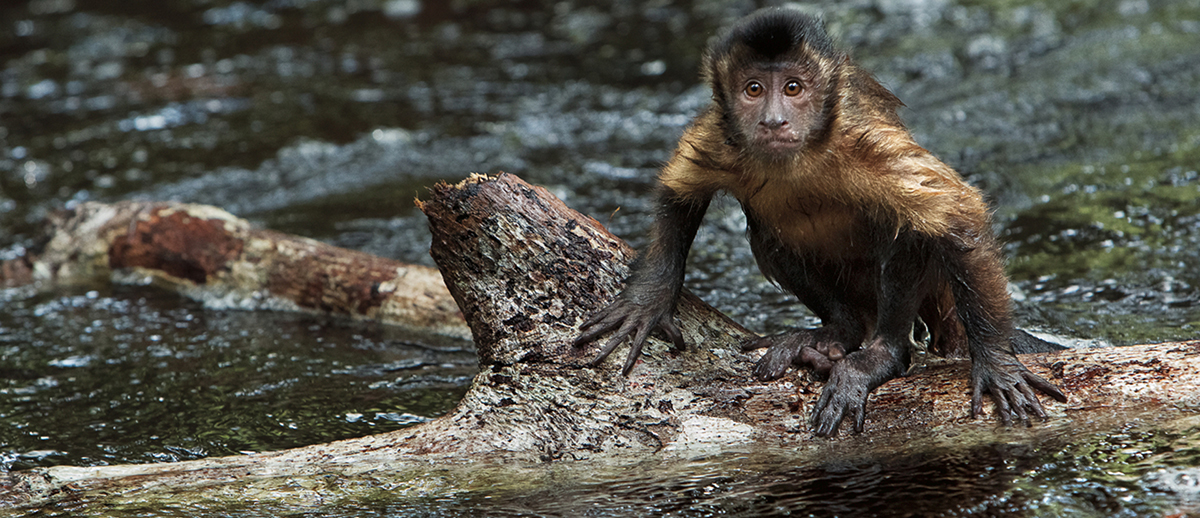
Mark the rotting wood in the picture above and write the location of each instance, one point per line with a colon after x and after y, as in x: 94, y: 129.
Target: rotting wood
x: 211, y: 256
x: 526, y: 270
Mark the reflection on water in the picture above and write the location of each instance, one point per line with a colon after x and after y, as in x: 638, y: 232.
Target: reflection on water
x: 130, y: 375
x: 325, y: 118
x: 1128, y: 473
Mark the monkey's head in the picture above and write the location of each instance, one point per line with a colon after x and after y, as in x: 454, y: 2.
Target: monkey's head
x: 772, y: 75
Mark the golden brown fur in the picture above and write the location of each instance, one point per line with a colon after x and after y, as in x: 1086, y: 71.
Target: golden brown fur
x: 867, y: 228
x: 869, y: 167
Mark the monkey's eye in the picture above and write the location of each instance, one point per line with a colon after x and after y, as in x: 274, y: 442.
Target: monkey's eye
x: 754, y: 89
x: 792, y: 88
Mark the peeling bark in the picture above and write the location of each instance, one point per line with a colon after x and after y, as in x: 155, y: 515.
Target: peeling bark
x: 526, y: 270
x: 211, y: 256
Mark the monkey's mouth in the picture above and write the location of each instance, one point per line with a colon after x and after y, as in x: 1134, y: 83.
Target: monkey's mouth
x: 780, y: 143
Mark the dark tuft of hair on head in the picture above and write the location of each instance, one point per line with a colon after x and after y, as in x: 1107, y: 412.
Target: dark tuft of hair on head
x: 772, y: 32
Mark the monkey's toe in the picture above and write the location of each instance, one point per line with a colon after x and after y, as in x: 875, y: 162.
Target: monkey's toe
x: 761, y: 342
x: 767, y: 370
x: 778, y: 358
x: 820, y: 363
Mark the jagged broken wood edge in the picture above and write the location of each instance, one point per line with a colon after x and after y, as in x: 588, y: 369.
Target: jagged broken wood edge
x: 525, y: 270
x: 213, y: 257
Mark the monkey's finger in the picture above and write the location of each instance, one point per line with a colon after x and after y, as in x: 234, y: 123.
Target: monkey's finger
x: 668, y: 326
x: 976, y: 400
x: 772, y: 365
x: 1032, y: 399
x: 635, y: 349
x: 1017, y: 405
x: 823, y: 414
x: 756, y: 343
x: 822, y: 402
x: 587, y: 336
x: 860, y: 418
x: 611, y: 344
x: 828, y: 427
x: 617, y: 311
x: 597, y: 326
x: 597, y: 317
x: 1002, y: 408
x: 1044, y: 386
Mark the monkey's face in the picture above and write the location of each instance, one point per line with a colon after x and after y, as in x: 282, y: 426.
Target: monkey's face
x: 775, y: 109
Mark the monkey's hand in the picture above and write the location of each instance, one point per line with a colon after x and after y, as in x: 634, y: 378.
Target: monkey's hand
x: 637, y: 311
x: 1011, y: 386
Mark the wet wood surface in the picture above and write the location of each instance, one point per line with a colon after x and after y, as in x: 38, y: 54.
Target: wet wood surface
x: 525, y: 271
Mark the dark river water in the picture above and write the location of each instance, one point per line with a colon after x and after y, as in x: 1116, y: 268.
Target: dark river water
x: 325, y: 118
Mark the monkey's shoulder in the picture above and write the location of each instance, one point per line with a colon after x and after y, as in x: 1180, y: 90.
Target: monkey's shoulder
x: 703, y: 161
x: 928, y: 196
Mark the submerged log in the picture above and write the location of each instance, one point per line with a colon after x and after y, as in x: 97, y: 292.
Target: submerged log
x: 526, y: 271
x: 222, y: 261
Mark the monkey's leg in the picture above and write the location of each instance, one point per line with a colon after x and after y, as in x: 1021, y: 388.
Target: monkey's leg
x: 903, y: 284
x: 826, y: 291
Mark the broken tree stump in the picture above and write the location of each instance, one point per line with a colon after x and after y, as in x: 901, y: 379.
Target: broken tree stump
x: 526, y: 271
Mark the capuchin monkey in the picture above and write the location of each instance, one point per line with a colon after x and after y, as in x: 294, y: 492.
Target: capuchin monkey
x: 871, y: 232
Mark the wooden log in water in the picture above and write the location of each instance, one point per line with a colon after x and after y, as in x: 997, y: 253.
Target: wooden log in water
x: 209, y: 255
x: 526, y: 270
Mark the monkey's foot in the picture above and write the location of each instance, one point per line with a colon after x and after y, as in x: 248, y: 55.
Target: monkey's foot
x: 852, y: 380
x: 1011, y: 387
x: 813, y: 347
x: 844, y: 396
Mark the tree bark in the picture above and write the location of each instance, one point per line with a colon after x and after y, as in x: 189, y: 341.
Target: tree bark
x: 211, y: 256
x: 526, y: 271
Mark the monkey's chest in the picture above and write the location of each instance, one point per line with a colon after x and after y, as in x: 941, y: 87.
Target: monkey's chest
x: 811, y: 227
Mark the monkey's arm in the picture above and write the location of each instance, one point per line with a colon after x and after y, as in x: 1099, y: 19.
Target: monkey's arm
x: 979, y: 285
x: 685, y: 187
x: 974, y: 268
x: 648, y: 301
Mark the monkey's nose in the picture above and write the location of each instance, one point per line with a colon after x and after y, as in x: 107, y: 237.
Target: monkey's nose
x: 774, y: 124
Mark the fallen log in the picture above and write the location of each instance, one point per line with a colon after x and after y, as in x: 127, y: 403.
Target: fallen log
x: 526, y: 270
x: 211, y: 256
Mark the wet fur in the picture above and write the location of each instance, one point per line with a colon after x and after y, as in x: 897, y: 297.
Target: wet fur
x: 861, y: 179
x: 867, y: 228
